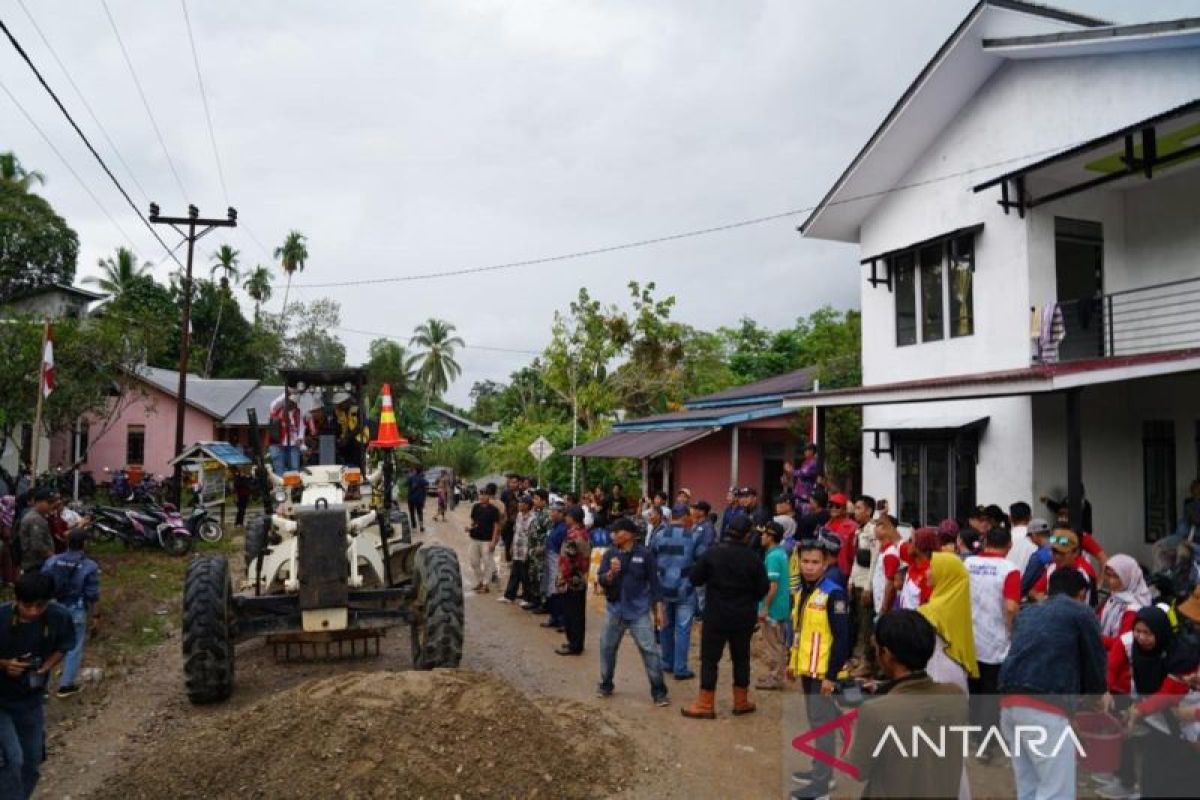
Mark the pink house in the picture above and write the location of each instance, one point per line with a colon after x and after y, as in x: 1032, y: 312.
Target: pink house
x: 738, y: 437
x: 140, y: 433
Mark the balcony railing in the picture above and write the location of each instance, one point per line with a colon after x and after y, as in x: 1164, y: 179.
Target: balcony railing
x: 1149, y: 319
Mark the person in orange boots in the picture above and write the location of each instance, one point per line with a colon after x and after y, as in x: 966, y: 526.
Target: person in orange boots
x: 821, y: 619
x: 736, y: 581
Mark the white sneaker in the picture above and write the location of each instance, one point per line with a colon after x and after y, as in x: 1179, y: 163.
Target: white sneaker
x: 503, y: 599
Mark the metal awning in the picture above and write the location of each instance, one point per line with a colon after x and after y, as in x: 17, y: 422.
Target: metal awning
x: 964, y: 428
x: 640, y: 444
x: 1164, y: 141
x: 941, y: 237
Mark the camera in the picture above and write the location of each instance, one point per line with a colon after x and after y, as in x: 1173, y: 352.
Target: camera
x: 31, y: 679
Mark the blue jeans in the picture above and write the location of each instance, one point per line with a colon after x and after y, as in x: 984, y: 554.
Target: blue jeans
x: 676, y: 634
x: 1040, y: 777
x: 74, y: 657
x: 285, y: 458
x: 642, y: 632
x: 22, y: 746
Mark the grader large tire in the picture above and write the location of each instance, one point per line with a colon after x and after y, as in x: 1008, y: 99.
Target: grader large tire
x: 208, y: 630
x: 437, y: 635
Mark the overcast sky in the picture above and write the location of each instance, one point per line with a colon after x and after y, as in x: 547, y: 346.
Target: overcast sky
x: 407, y: 137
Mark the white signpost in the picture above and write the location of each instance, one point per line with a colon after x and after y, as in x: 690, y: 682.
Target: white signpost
x: 541, y: 449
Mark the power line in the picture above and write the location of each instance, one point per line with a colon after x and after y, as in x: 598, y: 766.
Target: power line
x: 83, y: 100
x: 212, y: 137
x: 70, y: 169
x: 91, y: 148
x: 466, y: 346
x: 145, y: 102
x: 596, y: 251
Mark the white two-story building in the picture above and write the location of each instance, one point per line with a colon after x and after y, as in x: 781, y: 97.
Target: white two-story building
x: 1028, y: 218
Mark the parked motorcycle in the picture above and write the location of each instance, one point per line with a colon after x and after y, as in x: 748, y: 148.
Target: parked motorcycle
x: 202, y: 524
x: 123, y: 490
x: 160, y: 526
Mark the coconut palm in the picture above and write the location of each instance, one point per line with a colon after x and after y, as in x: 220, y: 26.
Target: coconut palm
x: 435, y: 347
x: 118, y: 273
x: 226, y: 259
x: 292, y: 254
x: 258, y: 286
x: 13, y: 174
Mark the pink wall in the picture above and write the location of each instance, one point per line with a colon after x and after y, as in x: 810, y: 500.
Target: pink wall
x: 156, y: 411
x: 703, y: 466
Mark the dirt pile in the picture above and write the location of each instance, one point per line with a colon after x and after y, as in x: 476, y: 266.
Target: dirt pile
x: 439, y: 734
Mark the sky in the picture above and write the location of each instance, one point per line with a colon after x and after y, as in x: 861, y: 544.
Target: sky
x: 405, y: 138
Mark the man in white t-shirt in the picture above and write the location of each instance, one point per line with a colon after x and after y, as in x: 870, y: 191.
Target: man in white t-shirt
x: 995, y: 597
x: 1023, y: 547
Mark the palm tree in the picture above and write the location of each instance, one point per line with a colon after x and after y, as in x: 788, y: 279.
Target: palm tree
x: 258, y: 286
x: 226, y: 259
x: 118, y: 273
x: 13, y: 174
x: 292, y: 254
x: 436, y: 351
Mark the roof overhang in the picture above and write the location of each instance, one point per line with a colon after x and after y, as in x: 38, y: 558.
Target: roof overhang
x: 1008, y: 383
x: 1113, y: 39
x: 1167, y: 142
x: 640, y: 444
x: 951, y: 78
x: 720, y: 417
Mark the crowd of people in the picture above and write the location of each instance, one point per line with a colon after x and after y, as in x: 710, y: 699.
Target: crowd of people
x: 1010, y: 620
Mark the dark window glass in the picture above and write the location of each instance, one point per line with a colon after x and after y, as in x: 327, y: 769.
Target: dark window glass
x: 905, y: 279
x: 1158, y: 477
x: 962, y: 279
x: 908, y: 470
x: 931, y: 294
x: 135, y: 445
x: 937, y: 482
x: 935, y: 479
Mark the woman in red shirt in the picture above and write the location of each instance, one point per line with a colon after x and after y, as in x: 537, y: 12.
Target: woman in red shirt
x: 1128, y: 594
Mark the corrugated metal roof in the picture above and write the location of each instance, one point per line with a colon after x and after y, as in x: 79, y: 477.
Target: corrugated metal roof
x: 214, y: 397
x: 699, y: 416
x: 260, y: 400
x: 639, y: 444
x: 800, y: 380
x: 228, y: 454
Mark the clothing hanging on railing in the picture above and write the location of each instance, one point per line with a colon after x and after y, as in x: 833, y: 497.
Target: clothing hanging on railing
x: 1047, y: 330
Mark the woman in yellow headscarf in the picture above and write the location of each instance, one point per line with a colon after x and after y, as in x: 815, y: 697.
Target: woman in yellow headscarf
x: 949, y: 610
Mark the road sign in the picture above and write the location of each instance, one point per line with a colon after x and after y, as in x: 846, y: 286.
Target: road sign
x: 541, y: 449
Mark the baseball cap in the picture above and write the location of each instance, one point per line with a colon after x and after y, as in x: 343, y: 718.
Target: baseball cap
x: 837, y: 499
x: 1038, y: 526
x: 825, y: 539
x: 1064, y: 540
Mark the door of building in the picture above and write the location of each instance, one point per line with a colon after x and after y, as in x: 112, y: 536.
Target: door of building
x: 1079, y: 282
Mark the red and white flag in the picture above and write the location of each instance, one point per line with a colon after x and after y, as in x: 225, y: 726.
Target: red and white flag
x: 48, y: 364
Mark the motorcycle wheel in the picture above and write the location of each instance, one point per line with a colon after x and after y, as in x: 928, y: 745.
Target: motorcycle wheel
x: 176, y: 543
x: 211, y: 531
x: 102, y: 533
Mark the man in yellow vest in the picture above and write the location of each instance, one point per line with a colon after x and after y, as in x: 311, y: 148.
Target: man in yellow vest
x: 821, y: 620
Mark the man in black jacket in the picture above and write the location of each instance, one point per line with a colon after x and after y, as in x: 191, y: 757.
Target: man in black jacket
x: 736, y: 581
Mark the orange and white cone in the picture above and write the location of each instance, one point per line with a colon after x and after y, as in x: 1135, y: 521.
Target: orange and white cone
x: 388, y: 436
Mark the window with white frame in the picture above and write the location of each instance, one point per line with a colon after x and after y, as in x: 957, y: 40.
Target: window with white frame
x: 934, y: 287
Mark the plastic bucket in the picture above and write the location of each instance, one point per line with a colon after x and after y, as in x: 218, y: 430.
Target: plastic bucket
x: 1102, y: 736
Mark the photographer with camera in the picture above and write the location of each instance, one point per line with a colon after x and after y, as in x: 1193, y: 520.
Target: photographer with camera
x: 35, y: 634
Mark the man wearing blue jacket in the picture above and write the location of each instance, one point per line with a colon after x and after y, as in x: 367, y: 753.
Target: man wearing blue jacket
x: 77, y: 588
x: 629, y: 577
x: 675, y: 551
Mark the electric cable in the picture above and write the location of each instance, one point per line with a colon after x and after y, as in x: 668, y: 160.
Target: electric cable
x: 212, y: 136
x: 91, y: 148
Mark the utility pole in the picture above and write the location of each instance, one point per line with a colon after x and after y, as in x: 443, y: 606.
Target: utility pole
x: 191, y: 222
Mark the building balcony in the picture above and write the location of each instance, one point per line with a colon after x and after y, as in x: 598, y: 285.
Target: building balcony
x: 1147, y: 319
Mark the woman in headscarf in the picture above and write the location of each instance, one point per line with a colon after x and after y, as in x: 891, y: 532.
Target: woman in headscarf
x: 1128, y: 594
x: 949, y: 611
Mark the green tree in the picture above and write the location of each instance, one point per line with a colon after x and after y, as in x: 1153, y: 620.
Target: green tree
x: 436, y: 345
x: 388, y: 362
x: 462, y: 452
x: 258, y: 286
x: 37, y: 247
x: 226, y: 259
x: 222, y: 338
x: 308, y: 343
x: 14, y: 175
x: 145, y: 305
x: 292, y: 255
x: 118, y: 272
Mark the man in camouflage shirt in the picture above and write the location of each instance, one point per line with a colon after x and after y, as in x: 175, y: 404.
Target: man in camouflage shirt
x: 539, y: 529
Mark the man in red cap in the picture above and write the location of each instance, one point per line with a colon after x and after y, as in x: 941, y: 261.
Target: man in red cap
x: 847, y: 531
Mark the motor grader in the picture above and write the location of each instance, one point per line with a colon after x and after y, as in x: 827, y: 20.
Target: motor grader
x: 325, y: 569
